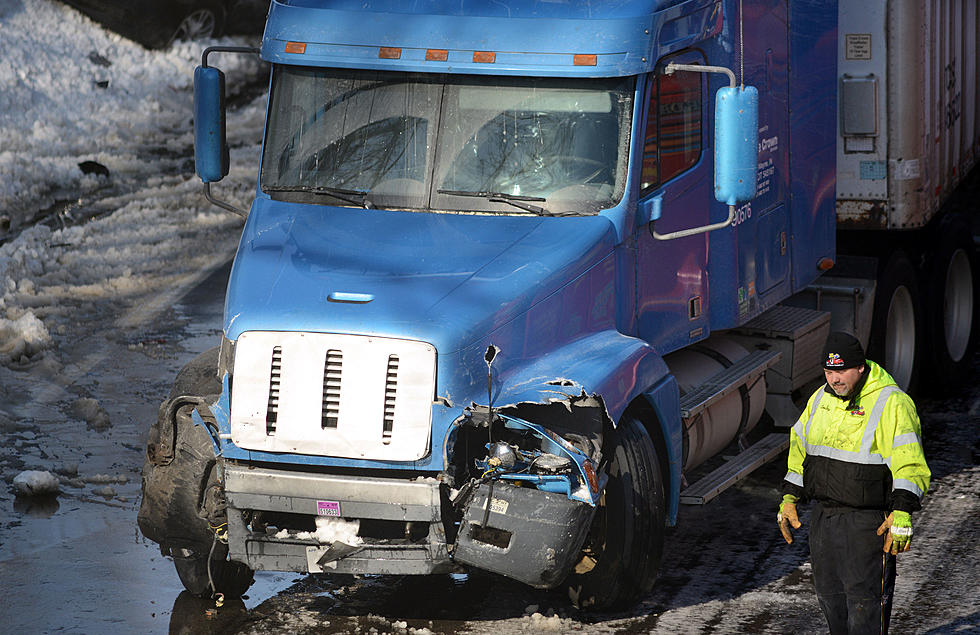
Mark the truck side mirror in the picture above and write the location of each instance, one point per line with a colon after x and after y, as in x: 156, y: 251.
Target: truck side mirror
x: 736, y: 149
x: 736, y: 143
x: 210, y: 147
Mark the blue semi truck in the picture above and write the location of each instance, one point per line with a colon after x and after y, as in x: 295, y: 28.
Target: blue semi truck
x: 516, y: 271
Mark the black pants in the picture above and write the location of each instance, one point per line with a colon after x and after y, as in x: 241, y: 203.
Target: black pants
x: 853, y: 577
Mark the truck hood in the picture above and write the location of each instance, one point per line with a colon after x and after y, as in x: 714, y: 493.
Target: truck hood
x: 446, y: 279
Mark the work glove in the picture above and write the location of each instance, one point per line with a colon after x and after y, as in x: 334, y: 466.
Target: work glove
x: 787, y: 516
x: 899, y: 528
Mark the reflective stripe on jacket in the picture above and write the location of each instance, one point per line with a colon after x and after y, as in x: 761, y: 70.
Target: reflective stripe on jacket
x: 863, y: 452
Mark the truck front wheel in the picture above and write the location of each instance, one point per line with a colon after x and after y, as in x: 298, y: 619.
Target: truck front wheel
x: 622, y: 552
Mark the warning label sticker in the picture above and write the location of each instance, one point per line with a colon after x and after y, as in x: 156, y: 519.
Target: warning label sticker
x: 857, y: 46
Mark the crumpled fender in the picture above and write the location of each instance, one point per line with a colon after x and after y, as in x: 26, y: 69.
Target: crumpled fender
x: 614, y: 366
x: 618, y: 369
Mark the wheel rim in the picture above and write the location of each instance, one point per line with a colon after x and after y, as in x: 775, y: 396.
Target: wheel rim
x: 196, y: 26
x: 958, y: 305
x: 900, y: 337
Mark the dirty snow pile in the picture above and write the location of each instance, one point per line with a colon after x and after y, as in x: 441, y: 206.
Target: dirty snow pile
x: 96, y: 143
x: 36, y: 483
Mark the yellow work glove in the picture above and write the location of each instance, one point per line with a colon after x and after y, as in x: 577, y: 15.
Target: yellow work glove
x: 787, y: 516
x: 899, y: 528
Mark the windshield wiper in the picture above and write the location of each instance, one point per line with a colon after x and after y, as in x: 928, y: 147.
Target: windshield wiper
x: 500, y: 197
x: 354, y: 197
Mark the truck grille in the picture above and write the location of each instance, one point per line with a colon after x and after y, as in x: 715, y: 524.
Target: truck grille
x: 345, y: 396
x: 272, y: 410
x: 332, y: 370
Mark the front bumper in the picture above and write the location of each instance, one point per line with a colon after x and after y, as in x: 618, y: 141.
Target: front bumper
x: 412, y: 540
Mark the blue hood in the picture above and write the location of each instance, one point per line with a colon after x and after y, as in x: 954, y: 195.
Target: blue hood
x: 447, y: 279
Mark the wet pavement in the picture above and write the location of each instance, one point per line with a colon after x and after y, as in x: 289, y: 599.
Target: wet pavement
x: 76, y: 562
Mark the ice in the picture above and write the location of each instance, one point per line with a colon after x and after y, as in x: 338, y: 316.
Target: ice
x: 36, y: 483
x: 22, y: 337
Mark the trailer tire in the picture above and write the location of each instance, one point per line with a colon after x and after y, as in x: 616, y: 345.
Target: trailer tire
x: 622, y: 552
x: 895, y: 341
x: 952, y: 305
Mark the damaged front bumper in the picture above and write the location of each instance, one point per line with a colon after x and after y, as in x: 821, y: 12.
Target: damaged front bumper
x: 271, y: 513
x: 532, y: 530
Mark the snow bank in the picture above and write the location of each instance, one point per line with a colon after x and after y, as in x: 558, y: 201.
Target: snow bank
x: 96, y: 128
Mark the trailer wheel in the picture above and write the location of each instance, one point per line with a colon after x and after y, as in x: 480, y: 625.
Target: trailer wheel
x: 622, y: 552
x: 895, y: 325
x: 951, y: 305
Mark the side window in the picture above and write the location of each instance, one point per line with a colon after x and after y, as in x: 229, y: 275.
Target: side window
x: 672, y: 142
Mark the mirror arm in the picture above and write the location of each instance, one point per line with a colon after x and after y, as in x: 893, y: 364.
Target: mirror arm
x: 696, y: 230
x: 700, y: 68
x: 228, y: 206
x: 226, y: 49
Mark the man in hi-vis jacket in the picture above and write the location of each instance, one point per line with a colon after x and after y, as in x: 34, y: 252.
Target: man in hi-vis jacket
x: 856, y: 451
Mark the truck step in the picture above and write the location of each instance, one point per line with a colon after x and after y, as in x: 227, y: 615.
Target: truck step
x: 796, y: 332
x: 735, y: 469
x: 727, y: 381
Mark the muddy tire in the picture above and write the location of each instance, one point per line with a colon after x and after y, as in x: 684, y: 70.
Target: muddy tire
x: 230, y: 578
x: 182, y: 500
x: 624, y: 547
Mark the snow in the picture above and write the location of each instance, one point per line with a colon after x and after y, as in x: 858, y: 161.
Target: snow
x: 328, y: 531
x: 74, y: 96
x: 36, y: 483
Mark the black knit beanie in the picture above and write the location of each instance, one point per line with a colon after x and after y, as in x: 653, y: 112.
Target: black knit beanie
x: 841, y: 351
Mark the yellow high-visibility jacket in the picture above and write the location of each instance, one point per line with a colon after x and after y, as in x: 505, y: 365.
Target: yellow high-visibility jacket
x: 863, y: 452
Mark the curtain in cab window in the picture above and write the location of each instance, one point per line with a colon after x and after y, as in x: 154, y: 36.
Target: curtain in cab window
x: 672, y: 142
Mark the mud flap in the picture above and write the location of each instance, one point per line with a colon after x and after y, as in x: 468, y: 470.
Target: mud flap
x: 530, y: 535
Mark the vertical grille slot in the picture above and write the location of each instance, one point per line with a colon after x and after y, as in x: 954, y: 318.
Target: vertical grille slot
x: 391, y: 388
x: 275, y: 377
x: 332, y: 370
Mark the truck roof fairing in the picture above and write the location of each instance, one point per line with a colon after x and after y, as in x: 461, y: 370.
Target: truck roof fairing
x: 525, y: 37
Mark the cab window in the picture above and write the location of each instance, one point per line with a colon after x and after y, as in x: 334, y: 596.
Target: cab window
x: 672, y: 142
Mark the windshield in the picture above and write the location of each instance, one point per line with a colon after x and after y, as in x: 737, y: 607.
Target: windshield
x: 515, y: 145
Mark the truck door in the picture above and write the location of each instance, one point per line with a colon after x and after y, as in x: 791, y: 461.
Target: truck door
x: 672, y: 275
x: 763, y: 224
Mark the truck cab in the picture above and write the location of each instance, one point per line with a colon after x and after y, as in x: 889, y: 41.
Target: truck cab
x: 494, y: 296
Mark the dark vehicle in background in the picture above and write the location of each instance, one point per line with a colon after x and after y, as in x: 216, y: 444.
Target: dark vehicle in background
x: 158, y: 23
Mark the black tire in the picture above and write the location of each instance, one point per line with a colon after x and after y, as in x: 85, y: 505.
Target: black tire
x: 622, y: 553
x: 951, y: 306
x: 230, y: 578
x: 199, y: 377
x: 172, y: 505
x: 896, y: 326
